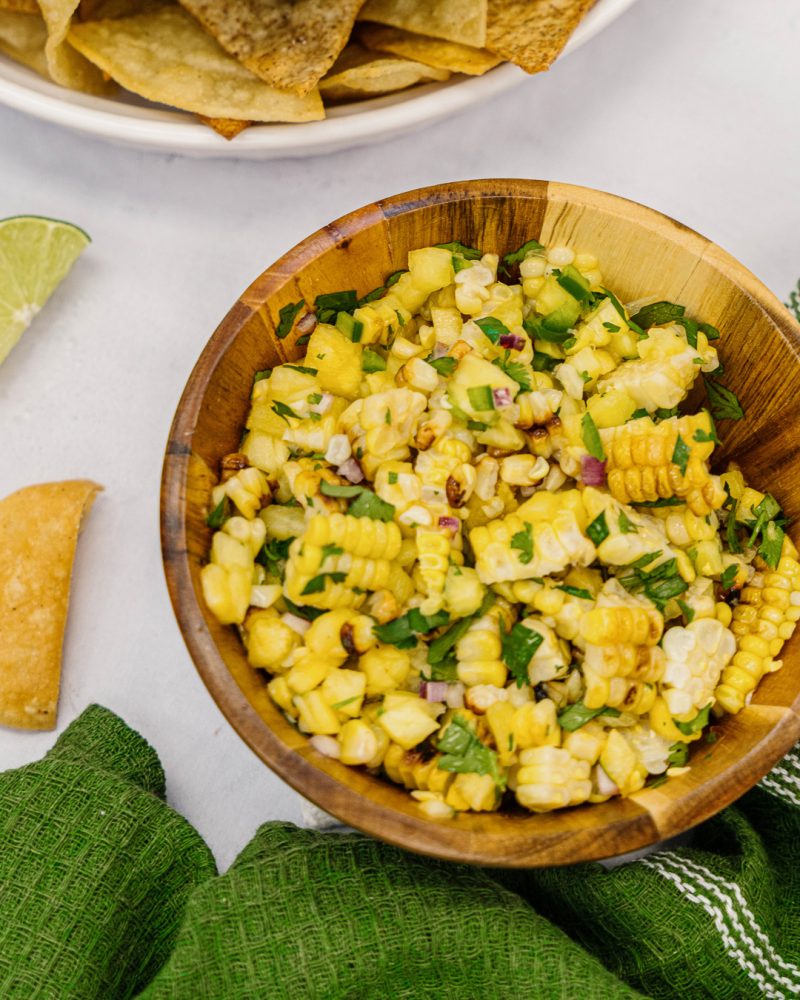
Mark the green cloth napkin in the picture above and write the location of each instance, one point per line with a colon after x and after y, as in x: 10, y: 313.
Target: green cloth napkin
x: 105, y: 892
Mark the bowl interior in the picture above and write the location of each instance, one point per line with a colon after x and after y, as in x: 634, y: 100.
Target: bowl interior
x: 641, y: 253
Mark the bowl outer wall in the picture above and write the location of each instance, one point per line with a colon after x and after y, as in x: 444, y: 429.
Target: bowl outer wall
x: 692, y: 270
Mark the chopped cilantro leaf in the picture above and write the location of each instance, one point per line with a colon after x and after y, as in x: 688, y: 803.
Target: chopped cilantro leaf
x: 392, y: 478
x: 515, y: 370
x: 273, y: 554
x: 626, y: 526
x: 695, y: 725
x: 493, y: 328
x: 771, y: 544
x: 612, y: 327
x: 598, y: 529
x: 327, y: 306
x: 681, y: 454
x: 638, y: 414
x: 728, y: 577
x: 376, y: 293
x: 678, y: 754
x: 688, y: 613
x: 577, y: 715
x: 219, y: 515
x: 367, y: 504
x: 463, y: 753
x: 523, y: 542
x: 516, y: 257
x: 439, y: 649
x: 657, y: 314
x: 284, y: 411
x: 444, y: 366
x: 544, y: 362
x: 260, y: 376
x: 519, y: 646
x: 575, y: 591
x: 330, y: 550
x: 591, y: 437
x: 387, y: 417
x: 723, y: 403
x: 286, y: 317
x: 317, y: 584
x: 468, y: 253
x: 408, y: 626
x: 303, y: 370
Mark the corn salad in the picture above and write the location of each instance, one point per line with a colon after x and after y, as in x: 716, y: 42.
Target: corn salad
x: 478, y: 548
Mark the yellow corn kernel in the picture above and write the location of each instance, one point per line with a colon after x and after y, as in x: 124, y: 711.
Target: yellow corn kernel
x: 268, y: 640
x: 608, y: 626
x: 723, y: 613
x: 315, y: 714
x: 621, y: 764
x: 358, y: 742
x: 386, y: 668
x: 344, y: 691
x: 324, y: 637
x: 282, y: 695
x: 536, y: 724
x: 360, y: 536
x: 227, y: 592
x: 551, y: 778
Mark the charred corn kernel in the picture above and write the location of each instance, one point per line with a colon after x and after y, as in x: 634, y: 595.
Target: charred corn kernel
x: 407, y: 721
x: 640, y: 466
x: 420, y: 375
x: 269, y: 641
x: 344, y: 690
x: 621, y: 764
x: 282, y: 695
x: 248, y: 489
x: 535, y: 724
x: 324, y: 637
x: 412, y: 769
x: 551, y: 778
x: 360, y: 536
x: 315, y: 714
x: 358, y: 743
x: 477, y: 792
x: 386, y: 668
x: 227, y: 592
x: 537, y: 540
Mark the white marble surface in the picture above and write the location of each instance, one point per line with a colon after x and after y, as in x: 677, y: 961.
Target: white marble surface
x: 689, y: 106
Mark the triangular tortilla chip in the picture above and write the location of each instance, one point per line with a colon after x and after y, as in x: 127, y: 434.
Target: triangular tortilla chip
x: 435, y: 52
x: 166, y: 56
x: 23, y: 38
x: 462, y: 21
x: 360, y: 73
x: 228, y: 128
x: 532, y: 33
x: 65, y: 65
x: 291, y: 44
x: 39, y: 529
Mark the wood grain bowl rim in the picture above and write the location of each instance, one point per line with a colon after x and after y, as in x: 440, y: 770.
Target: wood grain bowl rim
x: 595, y: 831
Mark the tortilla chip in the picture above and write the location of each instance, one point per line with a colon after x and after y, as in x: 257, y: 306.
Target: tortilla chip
x: 23, y: 38
x: 290, y: 44
x: 166, y: 56
x: 21, y: 6
x: 431, y: 51
x: 38, y: 533
x: 66, y: 66
x: 462, y: 21
x: 228, y: 128
x: 532, y: 33
x: 102, y: 10
x: 359, y: 73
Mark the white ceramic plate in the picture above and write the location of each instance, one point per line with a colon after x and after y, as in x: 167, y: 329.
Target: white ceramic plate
x: 130, y: 122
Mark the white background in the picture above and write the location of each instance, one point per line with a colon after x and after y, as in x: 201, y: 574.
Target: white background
x: 689, y: 106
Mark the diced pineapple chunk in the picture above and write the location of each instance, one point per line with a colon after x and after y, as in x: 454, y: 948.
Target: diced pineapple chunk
x: 337, y: 360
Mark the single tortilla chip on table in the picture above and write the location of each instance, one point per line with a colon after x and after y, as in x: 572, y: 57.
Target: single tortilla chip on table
x: 65, y: 65
x: 532, y: 33
x: 290, y: 44
x: 23, y: 38
x: 228, y: 128
x: 39, y: 528
x: 437, y: 52
x: 166, y: 56
x: 462, y: 21
x: 359, y: 73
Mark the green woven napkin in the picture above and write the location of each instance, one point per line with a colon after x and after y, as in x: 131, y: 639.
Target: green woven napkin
x: 94, y: 867
x: 719, y: 919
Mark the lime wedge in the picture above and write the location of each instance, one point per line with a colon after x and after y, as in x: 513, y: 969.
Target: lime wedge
x: 35, y: 257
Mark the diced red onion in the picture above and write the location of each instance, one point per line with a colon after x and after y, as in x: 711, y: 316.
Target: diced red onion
x: 512, y: 341
x: 433, y: 690
x: 440, y: 350
x: 325, y: 403
x: 593, y: 471
x: 502, y: 397
x: 307, y: 323
x: 351, y: 471
x: 450, y: 524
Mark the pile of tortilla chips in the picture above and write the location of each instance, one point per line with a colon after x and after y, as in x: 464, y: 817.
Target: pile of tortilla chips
x: 237, y: 62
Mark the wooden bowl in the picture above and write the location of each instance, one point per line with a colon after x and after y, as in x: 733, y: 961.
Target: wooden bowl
x: 641, y: 252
